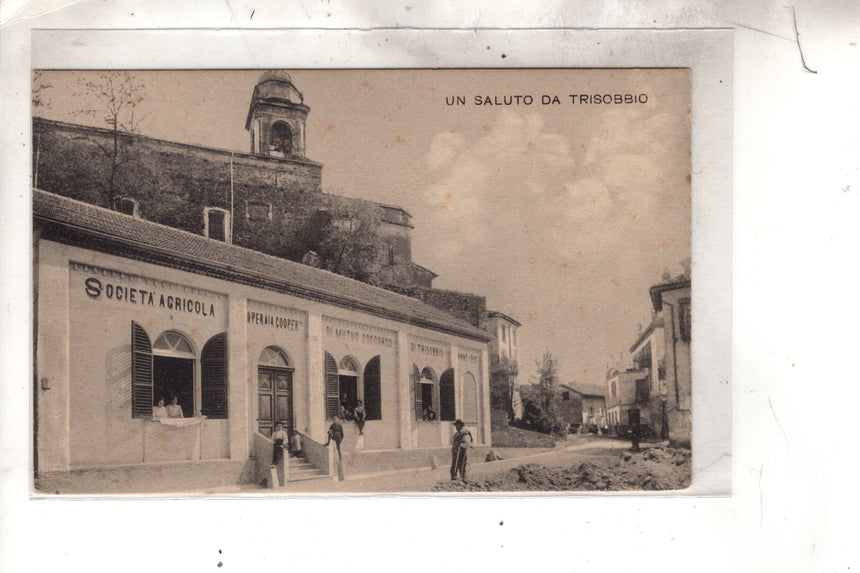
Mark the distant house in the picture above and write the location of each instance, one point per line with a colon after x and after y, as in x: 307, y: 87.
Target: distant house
x: 504, y: 355
x: 671, y: 300
x: 648, y: 353
x: 569, y: 406
x: 593, y: 403
x: 583, y: 404
x: 626, y: 390
x: 658, y: 383
x: 503, y: 330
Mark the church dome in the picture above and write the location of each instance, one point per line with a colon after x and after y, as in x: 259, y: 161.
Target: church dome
x: 275, y: 75
x: 278, y: 85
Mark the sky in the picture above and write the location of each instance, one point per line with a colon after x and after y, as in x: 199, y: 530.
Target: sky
x: 561, y: 214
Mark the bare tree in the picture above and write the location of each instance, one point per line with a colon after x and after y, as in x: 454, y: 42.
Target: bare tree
x: 115, y: 96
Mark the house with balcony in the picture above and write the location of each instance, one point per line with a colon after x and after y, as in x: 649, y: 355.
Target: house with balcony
x: 626, y: 391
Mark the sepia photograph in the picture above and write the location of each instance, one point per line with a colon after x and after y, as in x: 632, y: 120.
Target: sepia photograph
x: 363, y: 281
x: 374, y: 286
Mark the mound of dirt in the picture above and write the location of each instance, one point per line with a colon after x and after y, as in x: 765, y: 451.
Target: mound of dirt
x: 655, y: 468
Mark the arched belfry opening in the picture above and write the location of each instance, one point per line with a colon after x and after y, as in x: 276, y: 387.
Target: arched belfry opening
x: 281, y: 141
x: 277, y: 116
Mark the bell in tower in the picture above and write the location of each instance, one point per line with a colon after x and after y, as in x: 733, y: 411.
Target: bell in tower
x: 276, y: 118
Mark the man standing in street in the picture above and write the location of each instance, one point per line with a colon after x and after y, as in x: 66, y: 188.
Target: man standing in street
x: 335, y: 433
x: 460, y: 444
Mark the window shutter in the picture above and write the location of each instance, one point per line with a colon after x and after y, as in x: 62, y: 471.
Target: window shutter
x: 372, y: 390
x: 447, y: 408
x: 685, y: 321
x: 213, y: 377
x: 416, y: 385
x: 332, y: 387
x: 141, y: 373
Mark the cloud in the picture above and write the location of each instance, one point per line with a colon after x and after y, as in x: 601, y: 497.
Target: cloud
x: 566, y: 237
x: 444, y: 148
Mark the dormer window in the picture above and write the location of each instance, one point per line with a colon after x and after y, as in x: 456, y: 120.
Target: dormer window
x: 217, y: 224
x: 128, y: 206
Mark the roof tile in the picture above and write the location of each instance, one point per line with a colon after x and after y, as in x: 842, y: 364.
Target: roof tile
x: 76, y: 214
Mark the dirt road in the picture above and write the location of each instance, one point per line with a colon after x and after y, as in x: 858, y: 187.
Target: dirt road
x: 425, y: 480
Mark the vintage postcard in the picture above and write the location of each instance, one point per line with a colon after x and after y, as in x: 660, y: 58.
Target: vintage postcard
x: 361, y: 281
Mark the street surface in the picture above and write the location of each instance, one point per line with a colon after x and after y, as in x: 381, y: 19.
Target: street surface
x: 424, y: 480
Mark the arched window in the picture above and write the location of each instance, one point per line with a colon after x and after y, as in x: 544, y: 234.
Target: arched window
x: 372, y: 390
x: 173, y: 371
x: 274, y: 357
x: 347, y: 380
x: 172, y: 343
x: 447, y: 397
x: 426, y: 408
x: 348, y: 365
x: 213, y: 377
x: 281, y: 139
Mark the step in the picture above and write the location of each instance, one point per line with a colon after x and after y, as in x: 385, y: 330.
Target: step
x: 303, y: 470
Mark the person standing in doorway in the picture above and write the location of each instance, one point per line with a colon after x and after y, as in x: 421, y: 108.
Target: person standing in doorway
x: 335, y: 433
x: 346, y: 412
x: 279, y: 440
x: 460, y: 444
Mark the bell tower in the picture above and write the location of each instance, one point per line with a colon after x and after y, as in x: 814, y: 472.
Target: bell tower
x: 277, y: 116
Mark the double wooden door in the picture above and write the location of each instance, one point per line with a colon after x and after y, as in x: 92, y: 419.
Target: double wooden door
x: 275, y: 399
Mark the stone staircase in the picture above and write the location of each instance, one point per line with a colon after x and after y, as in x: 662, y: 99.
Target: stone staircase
x: 303, y: 470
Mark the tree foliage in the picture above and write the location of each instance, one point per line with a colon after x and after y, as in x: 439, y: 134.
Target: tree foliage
x: 547, y: 380
x: 539, y: 398
x: 349, y: 243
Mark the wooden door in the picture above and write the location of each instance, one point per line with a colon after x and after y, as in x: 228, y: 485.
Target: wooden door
x: 275, y: 400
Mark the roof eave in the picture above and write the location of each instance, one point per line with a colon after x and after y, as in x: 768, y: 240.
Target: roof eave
x: 231, y: 273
